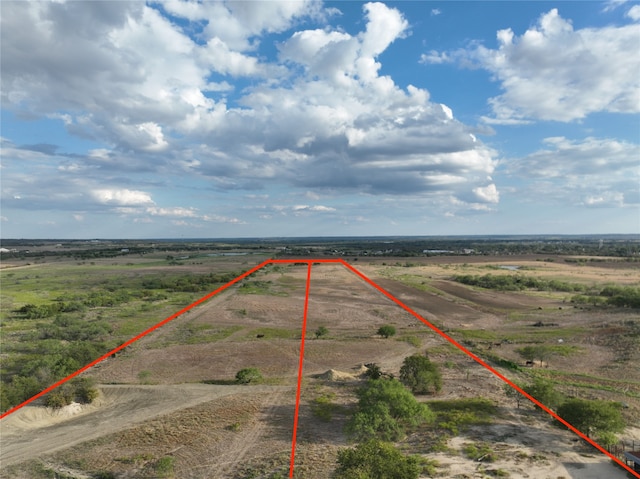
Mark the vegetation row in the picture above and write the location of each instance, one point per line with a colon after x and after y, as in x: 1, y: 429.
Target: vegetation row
x: 614, y: 295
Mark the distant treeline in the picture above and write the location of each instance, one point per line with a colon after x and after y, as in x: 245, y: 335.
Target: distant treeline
x: 620, y: 246
x: 614, y: 295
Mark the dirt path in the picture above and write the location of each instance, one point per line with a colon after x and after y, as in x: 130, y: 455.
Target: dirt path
x: 249, y: 440
x: 35, y: 431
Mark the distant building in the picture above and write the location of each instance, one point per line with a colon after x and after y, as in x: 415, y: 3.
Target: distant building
x: 632, y: 457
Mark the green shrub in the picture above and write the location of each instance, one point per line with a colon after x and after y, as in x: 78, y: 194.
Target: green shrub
x: 57, y: 400
x: 248, y: 375
x: 544, y: 391
x: 321, y: 332
x: 387, y: 410
x: 386, y: 331
x: 376, y: 460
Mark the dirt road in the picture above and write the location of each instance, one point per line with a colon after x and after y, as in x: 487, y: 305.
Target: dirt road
x: 35, y: 431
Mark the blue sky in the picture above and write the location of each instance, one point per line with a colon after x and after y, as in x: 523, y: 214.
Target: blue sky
x: 253, y: 119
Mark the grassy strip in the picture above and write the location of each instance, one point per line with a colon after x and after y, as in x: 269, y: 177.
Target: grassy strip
x: 563, y: 378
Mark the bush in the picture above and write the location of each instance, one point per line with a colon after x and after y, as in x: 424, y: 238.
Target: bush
x: 373, y: 371
x: 420, y: 375
x: 386, y: 410
x: 386, y: 331
x: 374, y: 459
x: 321, y: 332
x: 544, y: 391
x: 57, y: 400
x: 84, y: 390
x: 248, y: 375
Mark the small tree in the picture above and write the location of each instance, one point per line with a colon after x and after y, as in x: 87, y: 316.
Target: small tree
x: 248, y: 375
x: 321, y: 332
x: 544, y: 392
x: 592, y: 416
x: 420, y: 375
x: 375, y: 459
x: 386, y: 331
x: 514, y: 394
x: 531, y: 353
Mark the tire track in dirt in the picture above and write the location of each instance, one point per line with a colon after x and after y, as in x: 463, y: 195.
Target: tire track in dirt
x: 239, y: 451
x: 27, y: 435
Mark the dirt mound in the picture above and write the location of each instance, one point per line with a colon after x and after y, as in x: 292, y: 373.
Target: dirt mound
x: 335, y: 375
x: 31, y: 417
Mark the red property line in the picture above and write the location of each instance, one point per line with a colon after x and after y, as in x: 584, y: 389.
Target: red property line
x: 304, y: 330
x: 133, y: 340
x: 481, y: 362
x: 309, y: 263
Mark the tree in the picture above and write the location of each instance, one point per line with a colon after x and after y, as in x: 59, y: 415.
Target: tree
x: 531, y: 353
x: 514, y: 394
x: 374, y: 459
x: 420, y: 375
x: 544, y: 391
x: 321, y: 332
x: 387, y: 410
x: 592, y: 416
x: 248, y: 375
x: 386, y: 331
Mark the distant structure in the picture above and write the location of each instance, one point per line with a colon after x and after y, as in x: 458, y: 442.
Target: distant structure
x: 632, y: 459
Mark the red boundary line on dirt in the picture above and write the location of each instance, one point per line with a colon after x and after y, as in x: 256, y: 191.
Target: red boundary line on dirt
x: 309, y: 263
x: 304, y: 330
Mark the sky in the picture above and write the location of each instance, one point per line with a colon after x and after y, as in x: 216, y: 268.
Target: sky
x: 185, y: 119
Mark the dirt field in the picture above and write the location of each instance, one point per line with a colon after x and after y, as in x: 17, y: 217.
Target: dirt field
x: 219, y: 430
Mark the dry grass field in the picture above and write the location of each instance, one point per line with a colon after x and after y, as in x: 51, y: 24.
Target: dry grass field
x: 169, y: 407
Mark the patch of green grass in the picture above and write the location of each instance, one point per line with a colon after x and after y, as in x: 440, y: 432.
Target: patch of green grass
x: 456, y: 415
x: 261, y: 288
x: 479, y: 451
x: 274, y: 333
x: 588, y: 381
x: 323, y: 407
x: 411, y: 339
x: 478, y: 334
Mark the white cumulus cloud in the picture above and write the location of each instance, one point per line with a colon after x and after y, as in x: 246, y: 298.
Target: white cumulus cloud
x: 555, y: 72
x: 121, y: 197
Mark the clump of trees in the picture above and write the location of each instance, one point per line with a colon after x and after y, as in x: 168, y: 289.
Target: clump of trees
x: 421, y: 375
x: 614, y: 295
x: 592, y: 417
x: 595, y: 418
x: 35, y: 372
x: 518, y: 282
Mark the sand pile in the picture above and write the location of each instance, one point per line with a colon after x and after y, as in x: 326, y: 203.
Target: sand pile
x: 335, y: 375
